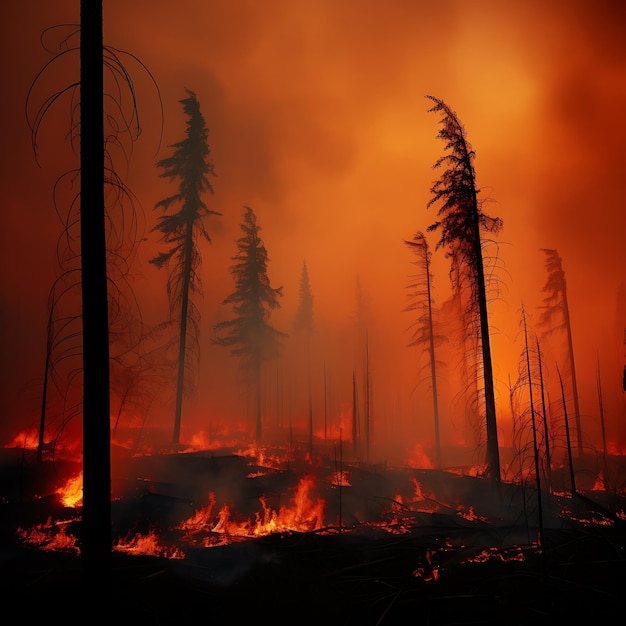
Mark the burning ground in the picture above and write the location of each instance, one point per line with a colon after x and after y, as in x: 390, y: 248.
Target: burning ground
x: 270, y: 535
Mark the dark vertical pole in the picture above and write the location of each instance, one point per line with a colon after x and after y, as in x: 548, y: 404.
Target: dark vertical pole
x: 96, y: 512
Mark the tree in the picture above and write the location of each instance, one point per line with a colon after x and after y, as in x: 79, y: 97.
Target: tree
x: 190, y: 163
x: 99, y: 268
x: 304, y: 324
x: 96, y: 513
x: 461, y: 221
x: 555, y: 306
x: 421, y: 300
x: 249, y: 334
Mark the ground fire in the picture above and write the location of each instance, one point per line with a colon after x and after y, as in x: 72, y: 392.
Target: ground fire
x: 226, y: 515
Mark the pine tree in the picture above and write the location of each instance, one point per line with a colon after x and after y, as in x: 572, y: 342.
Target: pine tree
x: 249, y: 334
x: 190, y: 164
x: 461, y: 221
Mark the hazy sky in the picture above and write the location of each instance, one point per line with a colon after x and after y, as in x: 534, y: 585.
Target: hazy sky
x: 318, y: 121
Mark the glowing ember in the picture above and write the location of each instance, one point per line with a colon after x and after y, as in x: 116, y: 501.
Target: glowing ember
x: 427, y: 571
x: 513, y: 554
x: 340, y: 479
x: 470, y: 514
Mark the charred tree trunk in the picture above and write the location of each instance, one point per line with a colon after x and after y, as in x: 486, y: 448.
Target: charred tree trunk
x: 535, y: 445
x: 433, y: 367
x: 546, y: 430
x: 572, y: 364
x: 355, y: 417
x: 603, y: 430
x: 568, y: 437
x: 493, y: 452
x: 44, y: 395
x: 182, y: 340
x: 96, y: 512
x: 257, y: 382
x: 368, y: 397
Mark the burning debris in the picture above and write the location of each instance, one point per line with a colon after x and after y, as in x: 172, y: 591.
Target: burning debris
x: 236, y: 520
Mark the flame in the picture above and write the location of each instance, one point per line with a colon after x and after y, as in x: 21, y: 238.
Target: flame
x: 71, y: 494
x: 418, y: 458
x: 599, y: 484
x: 49, y: 536
x: 149, y: 545
x: 302, y: 514
x: 27, y: 439
x: 470, y: 514
x: 259, y: 456
x: 427, y: 571
x: 340, y: 478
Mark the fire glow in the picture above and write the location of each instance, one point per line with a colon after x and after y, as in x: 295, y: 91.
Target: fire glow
x: 304, y: 513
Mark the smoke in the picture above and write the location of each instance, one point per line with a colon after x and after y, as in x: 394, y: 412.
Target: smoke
x: 318, y: 121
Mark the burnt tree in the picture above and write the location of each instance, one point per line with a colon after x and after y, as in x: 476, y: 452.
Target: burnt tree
x: 421, y: 302
x: 555, y: 306
x: 461, y: 222
x: 190, y: 164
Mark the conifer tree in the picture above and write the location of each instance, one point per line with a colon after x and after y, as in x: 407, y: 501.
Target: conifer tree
x: 249, y: 334
x: 461, y: 222
x: 190, y: 164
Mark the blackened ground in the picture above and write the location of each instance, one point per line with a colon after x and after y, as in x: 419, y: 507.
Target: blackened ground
x: 440, y: 569
x: 352, y: 579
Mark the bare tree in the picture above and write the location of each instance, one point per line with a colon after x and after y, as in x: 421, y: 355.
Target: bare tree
x: 421, y: 301
x: 555, y: 306
x: 462, y: 221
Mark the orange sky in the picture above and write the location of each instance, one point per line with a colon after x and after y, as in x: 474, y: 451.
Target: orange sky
x: 318, y: 121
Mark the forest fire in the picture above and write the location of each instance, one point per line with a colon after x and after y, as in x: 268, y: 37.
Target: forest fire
x: 224, y: 513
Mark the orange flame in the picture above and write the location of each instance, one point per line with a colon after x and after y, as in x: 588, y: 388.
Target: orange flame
x: 149, y: 545
x: 71, y: 494
x: 49, y: 536
x: 303, y: 514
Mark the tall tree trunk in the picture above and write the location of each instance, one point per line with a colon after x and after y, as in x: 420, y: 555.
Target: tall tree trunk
x: 96, y: 512
x: 572, y: 365
x: 433, y: 366
x: 368, y: 404
x: 182, y: 340
x: 257, y: 381
x: 568, y: 437
x: 535, y: 445
x: 546, y: 430
x: 44, y: 395
x: 355, y: 417
x: 309, y: 391
x: 603, y: 430
x: 493, y: 453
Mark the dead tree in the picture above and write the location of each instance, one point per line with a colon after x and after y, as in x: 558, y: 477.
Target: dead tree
x: 421, y: 301
x: 461, y: 222
x: 555, y: 306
